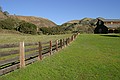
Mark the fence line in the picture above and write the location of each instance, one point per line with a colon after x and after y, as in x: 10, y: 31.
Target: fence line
x: 29, y: 53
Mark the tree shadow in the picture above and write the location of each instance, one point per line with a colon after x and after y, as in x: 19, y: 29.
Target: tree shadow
x: 111, y: 35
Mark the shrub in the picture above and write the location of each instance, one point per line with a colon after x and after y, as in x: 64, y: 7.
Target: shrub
x: 52, y: 30
x: 27, y: 28
x: 6, y: 13
x: 118, y: 29
x: 7, y: 24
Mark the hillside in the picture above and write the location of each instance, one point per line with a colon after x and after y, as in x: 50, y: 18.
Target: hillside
x: 24, y: 24
x: 73, y: 21
x: 85, y: 25
x: 2, y: 16
x: 40, y: 22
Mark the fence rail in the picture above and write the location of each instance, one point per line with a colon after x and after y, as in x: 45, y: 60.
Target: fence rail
x: 28, y: 53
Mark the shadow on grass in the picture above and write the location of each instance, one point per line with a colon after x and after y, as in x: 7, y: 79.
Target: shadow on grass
x: 110, y: 35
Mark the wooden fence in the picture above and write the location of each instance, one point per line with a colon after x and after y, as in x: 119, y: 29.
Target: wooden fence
x: 14, y: 56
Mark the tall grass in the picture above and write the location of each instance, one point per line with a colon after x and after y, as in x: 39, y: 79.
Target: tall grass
x: 89, y: 57
x: 16, y: 38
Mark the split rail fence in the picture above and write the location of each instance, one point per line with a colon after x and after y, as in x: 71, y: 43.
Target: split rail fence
x: 22, y: 54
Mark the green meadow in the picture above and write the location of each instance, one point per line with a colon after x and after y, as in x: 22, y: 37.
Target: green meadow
x: 89, y: 57
x: 9, y: 38
x: 16, y: 38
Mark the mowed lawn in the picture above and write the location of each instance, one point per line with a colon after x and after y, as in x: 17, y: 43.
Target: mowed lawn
x: 89, y: 57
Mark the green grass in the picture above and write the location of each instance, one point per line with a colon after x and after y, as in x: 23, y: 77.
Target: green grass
x: 89, y: 57
x: 16, y: 38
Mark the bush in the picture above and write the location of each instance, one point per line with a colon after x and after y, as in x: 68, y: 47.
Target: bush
x: 27, y: 28
x: 7, y: 24
x: 6, y: 13
x: 52, y: 30
x: 118, y: 29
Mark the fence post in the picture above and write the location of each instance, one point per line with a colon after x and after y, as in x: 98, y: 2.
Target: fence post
x: 73, y: 37
x: 70, y: 39
x: 61, y: 43
x: 50, y: 47
x: 40, y: 51
x: 22, y: 55
x: 66, y: 41
x: 56, y: 45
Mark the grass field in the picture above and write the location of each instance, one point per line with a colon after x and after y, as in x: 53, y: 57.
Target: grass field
x: 16, y: 38
x: 89, y: 57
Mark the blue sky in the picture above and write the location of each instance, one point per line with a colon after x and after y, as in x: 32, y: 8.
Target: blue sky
x: 61, y: 11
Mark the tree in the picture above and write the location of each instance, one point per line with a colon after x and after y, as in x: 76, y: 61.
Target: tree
x: 0, y: 9
x: 7, y: 24
x: 6, y: 13
x: 27, y: 28
x: 118, y: 29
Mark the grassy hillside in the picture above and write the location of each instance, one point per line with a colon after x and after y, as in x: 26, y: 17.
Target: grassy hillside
x: 73, y: 21
x: 24, y: 24
x: 89, y: 57
x: 2, y: 16
x: 40, y: 22
x: 85, y: 25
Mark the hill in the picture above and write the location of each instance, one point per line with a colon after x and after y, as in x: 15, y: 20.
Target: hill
x: 85, y: 25
x: 24, y: 24
x: 40, y: 22
x: 73, y: 21
x: 2, y: 16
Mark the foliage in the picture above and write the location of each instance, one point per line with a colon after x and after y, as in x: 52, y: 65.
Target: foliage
x: 52, y: 30
x: 85, y: 25
x: 27, y: 28
x: 99, y: 60
x: 21, y: 26
x: 6, y: 13
x: 118, y: 29
x: 8, y: 23
x: 82, y: 27
x: 0, y: 9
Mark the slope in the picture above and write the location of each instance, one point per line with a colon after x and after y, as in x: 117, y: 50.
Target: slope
x: 40, y: 22
x: 2, y: 16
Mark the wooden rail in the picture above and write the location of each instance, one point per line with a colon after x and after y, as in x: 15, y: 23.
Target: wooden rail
x: 27, y: 53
